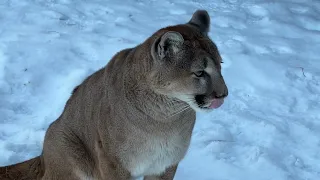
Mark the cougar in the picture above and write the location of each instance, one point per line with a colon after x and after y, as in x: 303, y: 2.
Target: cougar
x: 134, y: 117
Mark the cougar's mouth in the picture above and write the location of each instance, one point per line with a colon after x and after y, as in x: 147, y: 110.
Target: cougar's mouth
x: 209, y: 102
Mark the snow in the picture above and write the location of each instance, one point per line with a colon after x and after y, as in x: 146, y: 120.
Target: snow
x: 268, y: 128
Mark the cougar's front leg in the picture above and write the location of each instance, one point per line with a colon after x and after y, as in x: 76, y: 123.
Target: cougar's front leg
x: 167, y: 175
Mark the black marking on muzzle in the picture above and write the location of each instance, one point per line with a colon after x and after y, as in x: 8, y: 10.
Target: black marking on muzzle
x: 200, y: 99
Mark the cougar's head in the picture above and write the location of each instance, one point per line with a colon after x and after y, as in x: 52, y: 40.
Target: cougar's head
x: 187, y: 64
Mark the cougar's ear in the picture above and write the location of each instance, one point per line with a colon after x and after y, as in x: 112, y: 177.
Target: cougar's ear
x: 169, y: 42
x: 201, y: 20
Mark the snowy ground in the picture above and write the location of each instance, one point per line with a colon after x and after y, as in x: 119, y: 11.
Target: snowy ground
x: 269, y: 127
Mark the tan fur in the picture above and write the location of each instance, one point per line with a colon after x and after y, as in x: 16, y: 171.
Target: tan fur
x: 134, y: 117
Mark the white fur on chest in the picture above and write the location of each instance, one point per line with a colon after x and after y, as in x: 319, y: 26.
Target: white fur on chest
x: 82, y: 176
x: 157, y: 154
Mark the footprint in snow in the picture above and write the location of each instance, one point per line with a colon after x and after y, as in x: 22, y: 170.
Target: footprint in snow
x: 214, y: 138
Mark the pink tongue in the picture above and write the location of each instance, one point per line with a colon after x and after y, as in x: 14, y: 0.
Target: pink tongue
x: 216, y: 103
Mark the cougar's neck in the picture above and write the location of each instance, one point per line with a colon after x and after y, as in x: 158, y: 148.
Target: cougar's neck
x: 155, y: 106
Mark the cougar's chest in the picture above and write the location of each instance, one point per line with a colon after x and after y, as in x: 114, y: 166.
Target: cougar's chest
x: 158, y: 153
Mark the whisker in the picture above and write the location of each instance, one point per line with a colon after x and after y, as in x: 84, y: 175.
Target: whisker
x: 180, y: 111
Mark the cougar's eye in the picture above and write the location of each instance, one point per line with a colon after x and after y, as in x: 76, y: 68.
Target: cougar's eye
x: 199, y: 73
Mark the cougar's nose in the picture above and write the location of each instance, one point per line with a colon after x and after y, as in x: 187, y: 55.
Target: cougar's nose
x: 222, y: 94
